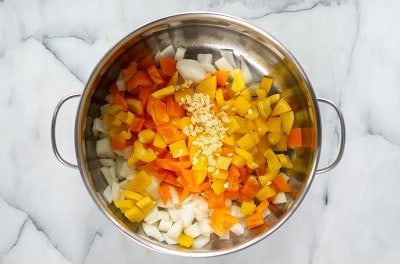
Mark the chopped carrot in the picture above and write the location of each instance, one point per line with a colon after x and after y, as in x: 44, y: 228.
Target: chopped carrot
x: 146, y: 62
x: 144, y: 95
x: 226, y: 150
x: 163, y: 190
x: 155, y: 75
x: 254, y: 220
x: 149, y: 124
x: 170, y: 179
x: 168, y: 66
x: 189, y: 180
x: 215, y: 201
x: 173, y: 108
x: 281, y: 183
x: 222, y: 220
x: 137, y: 80
x: 261, y: 207
x: 113, y: 89
x: 233, y: 179
x: 160, y: 112
x: 131, y: 69
x: 249, y: 189
x: 172, y: 165
x: 120, y: 100
x: 294, y: 139
x: 170, y: 133
x: 137, y: 124
x: 222, y: 77
x: 117, y: 143
x: 184, y: 193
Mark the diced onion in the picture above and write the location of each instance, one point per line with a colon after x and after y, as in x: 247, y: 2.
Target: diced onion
x: 193, y: 230
x: 187, y: 215
x: 280, y: 198
x: 165, y: 225
x: 169, y: 51
x: 169, y: 240
x: 223, y: 65
x: 99, y: 127
x: 107, y: 194
x: 103, y: 148
x: 174, y: 195
x: 204, y: 58
x: 152, y: 216
x: 180, y: 53
x: 247, y: 76
x: 191, y: 70
x: 175, y: 230
x: 208, y: 67
x: 107, y: 175
x: 174, y: 214
x: 107, y: 162
x: 152, y: 231
x: 228, y: 55
x: 238, y: 229
x: 201, y: 241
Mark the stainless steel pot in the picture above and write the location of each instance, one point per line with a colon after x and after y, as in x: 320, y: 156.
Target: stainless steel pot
x: 202, y: 33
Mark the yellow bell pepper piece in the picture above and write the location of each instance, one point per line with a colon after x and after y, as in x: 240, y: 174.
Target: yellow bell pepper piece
x: 218, y: 186
x: 274, y: 137
x: 247, y: 208
x: 145, y: 204
x: 287, y: 122
x: 272, y: 160
x: 219, y: 97
x: 229, y: 140
x: 238, y: 83
x: 242, y: 106
x: 143, y: 154
x: 246, y: 94
x: 124, y: 204
x: 266, y: 83
x: 160, y: 94
x: 178, y: 149
x: 200, y: 164
x: 265, y: 192
x: 135, y: 106
x: 261, y: 126
x: 146, y: 136
x: 264, y: 107
x: 238, y: 161
x: 261, y: 93
x: 246, y: 142
x: 183, y: 93
x: 185, y: 240
x: 232, y: 125
x: 285, y: 161
x: 125, y: 117
x: 281, y: 107
x: 244, y: 154
x: 273, y: 99
x: 134, y: 214
x: 159, y: 141
x: 223, y: 162
x: 174, y: 79
x: 132, y: 195
x: 282, y: 144
x: 200, y: 176
x: 274, y: 124
x: 252, y: 113
x: 139, y: 183
x: 219, y: 175
x: 207, y: 86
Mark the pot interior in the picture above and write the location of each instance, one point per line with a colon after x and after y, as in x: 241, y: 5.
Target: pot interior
x: 204, y: 33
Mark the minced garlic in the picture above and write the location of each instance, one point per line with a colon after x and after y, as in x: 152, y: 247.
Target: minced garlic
x: 206, y: 127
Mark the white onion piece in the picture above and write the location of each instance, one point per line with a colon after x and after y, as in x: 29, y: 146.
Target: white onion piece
x: 228, y: 55
x: 205, y: 227
x: 103, y: 148
x: 191, y: 69
x: 125, y: 171
x: 237, y: 229
x: 104, y: 108
x: 266, y: 212
x: 107, y: 162
x: 169, y: 240
x: 180, y: 53
x: 107, y: 175
x: 165, y: 225
x: 193, y: 230
x: 152, y: 231
x: 122, y: 185
x: 235, y: 211
x: 169, y: 51
x: 115, y: 191
x: 175, y: 230
x: 201, y: 241
x: 107, y: 194
x: 99, y: 127
x: 225, y: 236
x: 174, y: 195
x: 188, y: 199
x: 121, y: 82
x: 125, y: 153
x: 157, y: 57
x: 174, y: 214
x: 223, y: 65
x: 152, y: 189
x: 204, y: 58
x: 113, y: 173
x: 163, y: 215
x: 247, y: 76
x: 280, y: 198
x: 152, y: 216
x: 208, y: 67
x: 161, y: 204
x: 187, y: 215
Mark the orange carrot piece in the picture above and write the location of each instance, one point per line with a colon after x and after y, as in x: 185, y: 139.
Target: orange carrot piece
x: 163, y: 191
x: 173, y: 108
x: 294, y: 139
x: 168, y: 66
x: 170, y: 133
x: 189, y: 180
x: 249, y: 189
x: 281, y: 184
x: 254, y: 220
x: 117, y: 143
x: 233, y: 179
x: 137, y: 124
x: 215, y: 201
x: 261, y: 207
x: 131, y: 69
x: 144, y: 94
x: 120, y: 100
x: 172, y: 165
x: 222, y: 77
x: 138, y: 79
x: 160, y: 116
x: 146, y: 62
x: 155, y: 75
x: 222, y: 220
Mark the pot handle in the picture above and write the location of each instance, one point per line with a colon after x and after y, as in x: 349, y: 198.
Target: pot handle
x: 342, y: 136
x: 53, y: 130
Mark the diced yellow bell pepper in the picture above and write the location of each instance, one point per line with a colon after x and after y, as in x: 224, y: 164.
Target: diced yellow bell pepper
x: 178, y: 149
x: 232, y: 125
x: 159, y: 141
x: 125, y: 117
x: 219, y: 97
x: 143, y: 154
x: 229, y: 140
x: 201, y: 163
x: 246, y: 142
x: 134, y: 214
x: 252, y: 113
x: 160, y: 94
x: 124, y: 204
x: 200, y: 176
x: 183, y: 93
x: 264, y: 107
x: 282, y: 144
x: 218, y: 186
x: 247, y: 208
x: 145, y: 204
x: 272, y: 160
x: 185, y: 240
x: 146, y: 136
x: 259, y: 159
x: 174, y: 79
x: 223, y: 163
x: 252, y: 164
x: 263, y: 145
x: 285, y: 161
x: 274, y: 124
x: 274, y: 137
x: 242, y: 106
x: 139, y: 183
x: 107, y: 118
x: 266, y: 83
x: 265, y: 192
x: 246, y: 94
x: 244, y: 154
x: 132, y: 195
x: 261, y: 126
x: 273, y: 99
x: 238, y: 161
x: 207, y: 86
x: 281, y: 107
x: 238, y: 83
x: 135, y: 106
x: 287, y: 122
x: 261, y: 93
x: 253, y: 151
x: 267, y: 177
x: 114, y: 109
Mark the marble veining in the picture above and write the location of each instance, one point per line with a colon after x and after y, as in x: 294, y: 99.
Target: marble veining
x: 349, y: 50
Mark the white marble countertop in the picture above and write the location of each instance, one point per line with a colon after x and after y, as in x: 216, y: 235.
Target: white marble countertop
x: 350, y: 52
